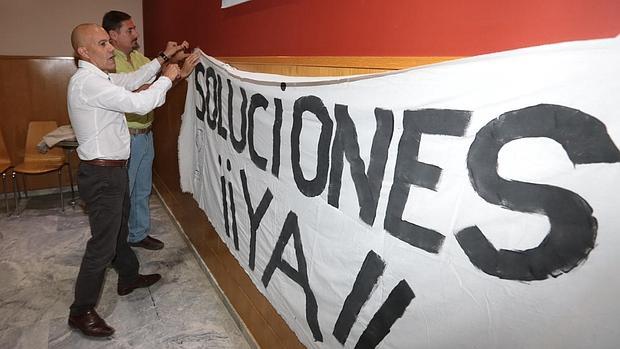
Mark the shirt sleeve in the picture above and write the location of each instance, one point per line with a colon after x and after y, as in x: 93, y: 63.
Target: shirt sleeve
x: 132, y: 81
x: 101, y: 93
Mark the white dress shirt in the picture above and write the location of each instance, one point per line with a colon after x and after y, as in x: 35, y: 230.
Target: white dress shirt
x: 97, y: 104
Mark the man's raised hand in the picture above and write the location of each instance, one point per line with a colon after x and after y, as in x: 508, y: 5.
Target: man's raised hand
x: 171, y: 71
x: 189, y: 64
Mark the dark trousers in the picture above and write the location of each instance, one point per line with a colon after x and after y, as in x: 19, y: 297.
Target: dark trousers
x: 105, y: 192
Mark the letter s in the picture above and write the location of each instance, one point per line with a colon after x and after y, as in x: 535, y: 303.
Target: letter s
x: 573, y: 227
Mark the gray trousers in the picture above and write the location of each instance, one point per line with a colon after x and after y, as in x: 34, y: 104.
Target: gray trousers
x: 105, y: 192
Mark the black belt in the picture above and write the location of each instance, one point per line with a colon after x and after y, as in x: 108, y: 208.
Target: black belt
x: 139, y: 131
x: 106, y: 163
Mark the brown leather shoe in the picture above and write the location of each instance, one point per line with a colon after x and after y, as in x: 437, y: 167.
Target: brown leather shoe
x: 90, y: 324
x: 141, y: 281
x: 149, y: 243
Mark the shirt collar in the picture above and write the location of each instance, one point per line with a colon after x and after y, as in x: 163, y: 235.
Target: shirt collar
x: 121, y: 54
x: 93, y: 68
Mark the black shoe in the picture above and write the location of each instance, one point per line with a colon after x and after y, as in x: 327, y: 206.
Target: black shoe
x: 90, y: 324
x: 149, y: 243
x: 141, y: 281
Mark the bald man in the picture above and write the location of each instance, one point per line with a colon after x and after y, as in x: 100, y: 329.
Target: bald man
x: 97, y: 102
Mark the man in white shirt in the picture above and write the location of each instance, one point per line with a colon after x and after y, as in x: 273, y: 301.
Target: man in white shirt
x: 97, y: 102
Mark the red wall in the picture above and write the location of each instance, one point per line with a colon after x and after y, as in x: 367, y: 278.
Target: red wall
x: 375, y: 27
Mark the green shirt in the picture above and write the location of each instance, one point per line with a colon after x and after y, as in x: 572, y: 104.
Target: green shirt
x: 124, y: 66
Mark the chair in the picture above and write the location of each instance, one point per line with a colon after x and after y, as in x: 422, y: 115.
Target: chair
x: 5, y: 165
x: 36, y: 163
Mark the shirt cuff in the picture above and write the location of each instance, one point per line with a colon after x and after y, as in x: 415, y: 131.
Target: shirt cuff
x: 154, y: 66
x: 165, y: 81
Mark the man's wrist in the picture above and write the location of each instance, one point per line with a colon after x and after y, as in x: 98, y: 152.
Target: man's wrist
x: 163, y: 56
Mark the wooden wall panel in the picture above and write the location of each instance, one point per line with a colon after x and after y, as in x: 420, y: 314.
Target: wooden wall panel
x: 327, y: 65
x: 33, y: 88
x: 264, y: 323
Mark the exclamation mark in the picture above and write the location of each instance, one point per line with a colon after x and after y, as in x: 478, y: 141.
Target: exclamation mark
x: 391, y: 310
x: 224, y: 200
x: 232, y: 209
x: 365, y: 282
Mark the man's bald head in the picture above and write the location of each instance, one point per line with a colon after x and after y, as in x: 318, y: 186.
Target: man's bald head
x: 81, y: 33
x: 92, y: 43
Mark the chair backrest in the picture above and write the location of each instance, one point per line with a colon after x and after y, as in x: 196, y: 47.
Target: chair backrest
x: 36, y: 131
x: 5, y: 158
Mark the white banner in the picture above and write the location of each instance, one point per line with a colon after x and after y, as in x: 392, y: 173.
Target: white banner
x: 467, y: 204
x: 230, y: 3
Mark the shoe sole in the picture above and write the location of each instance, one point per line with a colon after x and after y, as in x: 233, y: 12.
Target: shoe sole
x: 146, y: 248
x: 99, y: 335
x: 124, y: 293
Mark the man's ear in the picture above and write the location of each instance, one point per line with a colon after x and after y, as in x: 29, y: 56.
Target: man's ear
x: 83, y: 52
x: 113, y: 35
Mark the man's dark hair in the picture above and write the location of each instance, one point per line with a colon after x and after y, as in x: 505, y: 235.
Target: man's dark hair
x: 113, y: 20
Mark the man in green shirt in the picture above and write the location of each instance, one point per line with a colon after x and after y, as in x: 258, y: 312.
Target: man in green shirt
x: 124, y: 37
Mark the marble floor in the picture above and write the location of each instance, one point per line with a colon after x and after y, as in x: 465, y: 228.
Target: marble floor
x: 40, y: 252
